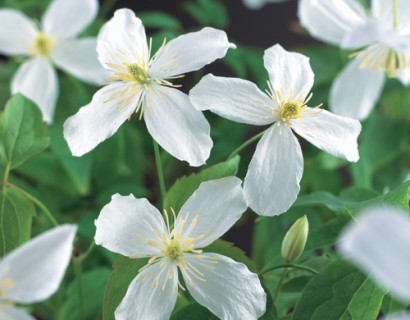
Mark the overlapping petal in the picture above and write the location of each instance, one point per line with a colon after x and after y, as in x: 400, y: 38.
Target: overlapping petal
x: 211, y: 211
x: 383, y: 11
x: 190, y: 52
x: 37, y: 80
x: 65, y: 19
x: 122, y: 39
x: 17, y: 32
x: 152, y: 294
x: 131, y: 227
x: 36, y: 268
x: 111, y: 106
x: 272, y: 182
x: 176, y: 125
x: 355, y: 91
x: 79, y: 58
x: 332, y: 133
x: 12, y: 313
x: 224, y: 286
x: 379, y: 243
x: 289, y: 72
x: 235, y: 99
x: 329, y: 20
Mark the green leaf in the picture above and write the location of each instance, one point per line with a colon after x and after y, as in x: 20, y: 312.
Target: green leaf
x: 228, y: 249
x: 23, y: 133
x: 124, y: 271
x: 16, y: 215
x: 161, y: 20
x: 78, y: 169
x: 208, y: 12
x: 194, y: 311
x: 184, y: 187
x: 94, y: 282
x: 339, y: 291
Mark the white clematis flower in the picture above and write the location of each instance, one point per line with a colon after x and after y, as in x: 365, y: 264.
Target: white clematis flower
x: 134, y: 228
x: 33, y: 272
x: 379, y: 243
x: 53, y: 43
x: 258, y: 4
x: 272, y: 182
x: 141, y: 84
x: 381, y: 44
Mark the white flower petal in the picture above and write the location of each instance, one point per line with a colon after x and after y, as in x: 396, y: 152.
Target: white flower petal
x: 176, y: 125
x: 332, y: 133
x: 398, y: 316
x: 126, y: 224
x: 289, y: 72
x: 383, y: 10
x: 355, y: 91
x: 17, y: 32
x: 37, y: 267
x: 13, y: 313
x: 379, y: 243
x: 79, y: 58
x: 404, y: 76
x: 272, y: 182
x: 224, y: 286
x: 100, y: 119
x: 122, y: 39
x: 65, y: 19
x: 329, y: 20
x: 190, y: 52
x: 235, y: 99
x: 152, y: 294
x: 365, y: 34
x: 211, y: 211
x: 37, y: 80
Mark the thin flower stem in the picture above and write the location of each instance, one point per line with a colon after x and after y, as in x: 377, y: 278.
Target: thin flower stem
x: 282, y: 278
x: 80, y: 288
x: 394, y: 7
x: 296, y: 266
x: 160, y: 170
x: 39, y: 204
x: 6, y: 175
x: 245, y: 144
x: 87, y: 252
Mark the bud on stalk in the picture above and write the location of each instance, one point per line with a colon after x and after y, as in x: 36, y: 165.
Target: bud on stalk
x: 295, y: 240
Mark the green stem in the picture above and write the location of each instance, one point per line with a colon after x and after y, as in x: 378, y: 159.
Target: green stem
x: 394, y: 7
x: 39, y: 204
x: 245, y: 144
x: 282, y: 278
x: 106, y: 7
x: 160, y: 170
x: 87, y: 252
x: 80, y: 288
x: 6, y: 175
x: 290, y: 265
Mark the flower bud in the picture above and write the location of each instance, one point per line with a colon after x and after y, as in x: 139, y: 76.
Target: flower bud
x: 295, y: 240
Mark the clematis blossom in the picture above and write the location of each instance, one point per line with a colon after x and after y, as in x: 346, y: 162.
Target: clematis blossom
x: 378, y: 242
x: 134, y: 228
x: 380, y: 45
x: 53, y: 43
x: 272, y: 182
x: 33, y: 272
x: 142, y: 84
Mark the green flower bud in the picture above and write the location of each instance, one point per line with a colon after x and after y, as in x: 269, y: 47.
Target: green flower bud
x: 295, y: 240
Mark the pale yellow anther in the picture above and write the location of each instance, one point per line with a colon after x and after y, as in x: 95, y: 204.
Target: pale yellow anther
x: 42, y: 45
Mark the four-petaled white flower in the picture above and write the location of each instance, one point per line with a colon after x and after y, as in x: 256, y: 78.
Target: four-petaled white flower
x: 272, y: 182
x: 141, y: 84
x: 378, y: 242
x: 53, y: 43
x: 381, y: 42
x: 134, y: 228
x: 33, y: 272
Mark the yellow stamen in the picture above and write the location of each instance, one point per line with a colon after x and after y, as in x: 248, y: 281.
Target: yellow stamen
x: 42, y: 45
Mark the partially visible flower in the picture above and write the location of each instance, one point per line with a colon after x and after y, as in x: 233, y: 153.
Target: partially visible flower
x: 54, y: 42
x: 134, y: 228
x: 295, y: 240
x: 380, y: 41
x: 141, y: 84
x: 33, y: 272
x: 258, y: 4
x: 378, y: 242
x: 272, y: 182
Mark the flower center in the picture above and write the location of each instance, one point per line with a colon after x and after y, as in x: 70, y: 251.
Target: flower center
x: 173, y: 250
x: 138, y: 74
x: 42, y: 45
x: 291, y: 110
x: 381, y: 57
